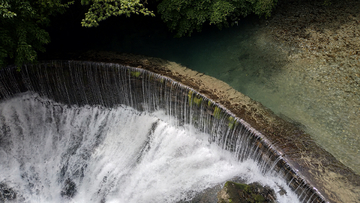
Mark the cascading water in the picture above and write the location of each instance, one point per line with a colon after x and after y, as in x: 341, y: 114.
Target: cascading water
x: 51, y: 152
x: 93, y: 132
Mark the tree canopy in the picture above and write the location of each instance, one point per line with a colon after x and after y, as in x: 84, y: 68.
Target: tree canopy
x: 22, y: 22
x: 22, y: 31
x: 102, y: 9
x: 185, y: 16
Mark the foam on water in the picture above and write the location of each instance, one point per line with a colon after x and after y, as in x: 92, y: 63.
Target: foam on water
x: 111, y: 155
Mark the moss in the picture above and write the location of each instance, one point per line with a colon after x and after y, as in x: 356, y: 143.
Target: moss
x: 217, y: 112
x: 197, y: 100
x: 190, y: 98
x: 238, y: 192
x: 232, y: 122
x: 209, y: 103
x: 194, y: 99
x: 135, y: 73
x: 151, y: 77
x: 258, y: 198
x: 240, y: 186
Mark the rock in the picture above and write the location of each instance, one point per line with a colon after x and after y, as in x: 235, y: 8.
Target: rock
x: 242, y: 193
x: 6, y: 193
x: 69, y: 189
x: 206, y: 196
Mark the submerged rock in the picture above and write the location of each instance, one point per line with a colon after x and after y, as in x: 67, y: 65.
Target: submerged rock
x: 243, y: 193
x: 6, y: 193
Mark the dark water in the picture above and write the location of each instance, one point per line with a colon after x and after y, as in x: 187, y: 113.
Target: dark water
x: 245, y: 58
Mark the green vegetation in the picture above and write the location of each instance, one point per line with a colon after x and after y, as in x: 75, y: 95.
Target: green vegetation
x: 194, y: 100
x: 232, y: 123
x: 22, y: 31
x: 238, y: 192
x: 186, y: 16
x: 135, y: 73
x: 217, y: 112
x: 198, y: 100
x: 23, y: 21
x: 190, y: 97
x: 102, y: 9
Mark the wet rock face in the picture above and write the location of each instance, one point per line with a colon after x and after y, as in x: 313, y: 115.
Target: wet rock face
x: 6, y: 193
x: 69, y: 189
x: 243, y: 193
x: 209, y: 195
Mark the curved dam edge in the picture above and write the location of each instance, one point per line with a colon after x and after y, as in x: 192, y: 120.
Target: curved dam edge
x: 336, y: 182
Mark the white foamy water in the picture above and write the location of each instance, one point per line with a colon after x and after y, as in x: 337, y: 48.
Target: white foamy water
x: 111, y: 155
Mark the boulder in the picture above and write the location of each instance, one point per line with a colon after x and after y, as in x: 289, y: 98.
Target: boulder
x: 6, y: 193
x: 243, y: 193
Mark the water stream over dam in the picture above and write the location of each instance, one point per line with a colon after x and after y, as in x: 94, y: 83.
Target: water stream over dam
x: 111, y: 155
x: 96, y: 132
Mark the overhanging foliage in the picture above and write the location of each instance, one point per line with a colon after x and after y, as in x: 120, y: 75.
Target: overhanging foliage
x: 22, y: 33
x: 102, y: 9
x: 185, y: 16
x: 22, y: 21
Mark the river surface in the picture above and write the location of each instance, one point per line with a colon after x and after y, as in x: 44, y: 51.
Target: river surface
x: 247, y: 60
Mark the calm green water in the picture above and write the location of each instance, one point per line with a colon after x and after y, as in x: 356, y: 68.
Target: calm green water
x: 251, y: 64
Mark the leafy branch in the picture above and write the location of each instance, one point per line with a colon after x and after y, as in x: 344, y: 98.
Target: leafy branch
x: 102, y: 9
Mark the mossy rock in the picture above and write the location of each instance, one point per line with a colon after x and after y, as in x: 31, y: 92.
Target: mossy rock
x: 6, y: 193
x: 242, y: 193
x: 208, y: 195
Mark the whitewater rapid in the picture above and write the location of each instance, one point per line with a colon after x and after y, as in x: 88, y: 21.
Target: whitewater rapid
x: 111, y: 155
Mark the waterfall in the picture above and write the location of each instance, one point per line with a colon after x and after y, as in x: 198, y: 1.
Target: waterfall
x: 98, y: 132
